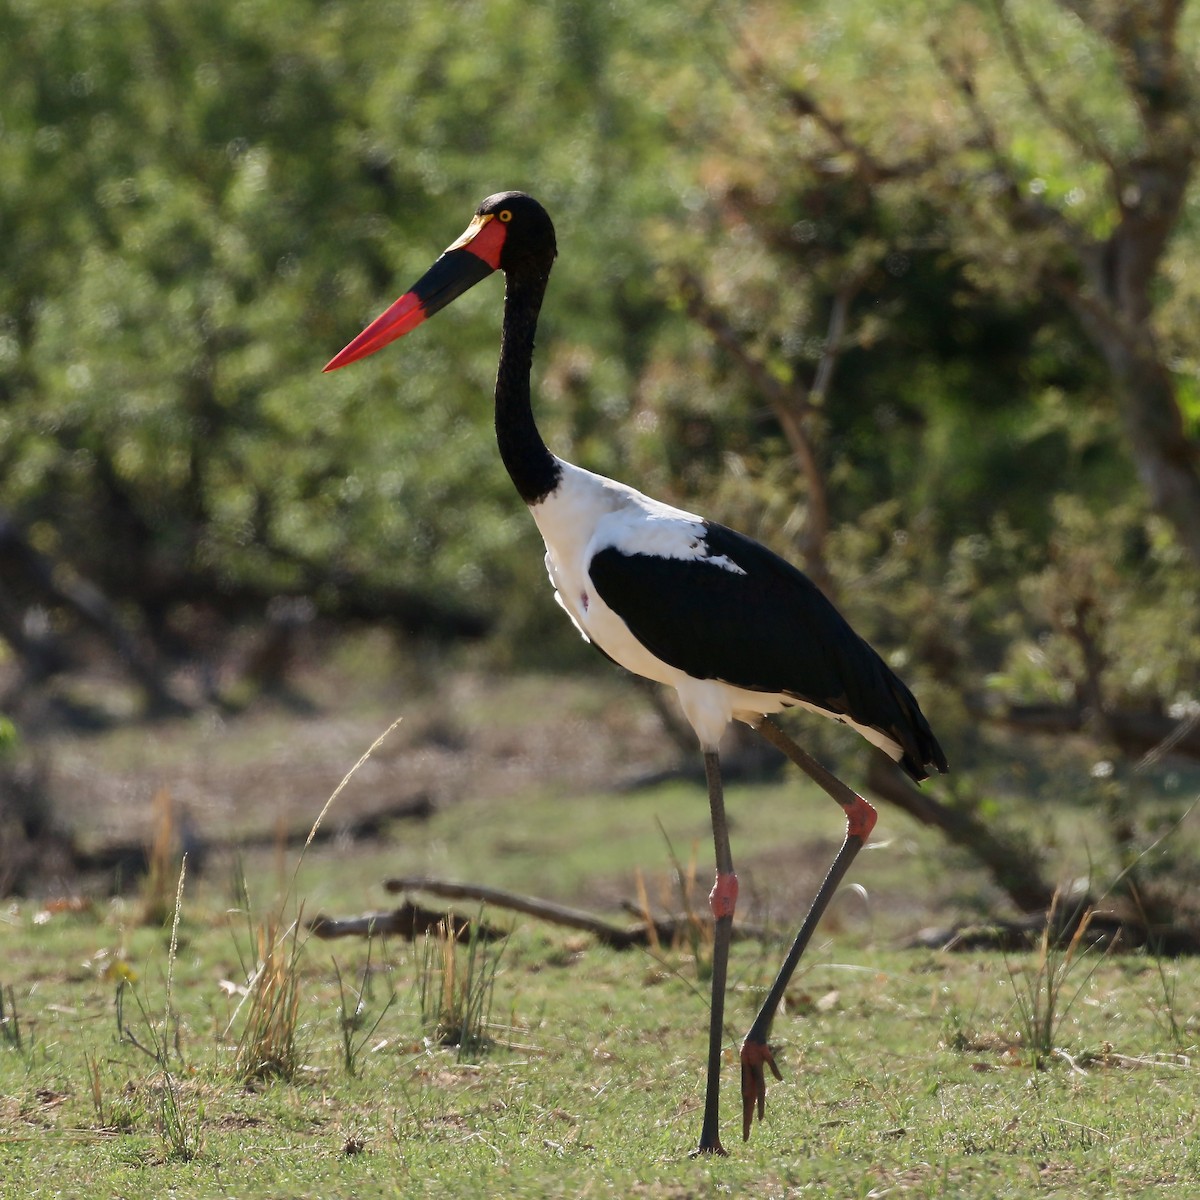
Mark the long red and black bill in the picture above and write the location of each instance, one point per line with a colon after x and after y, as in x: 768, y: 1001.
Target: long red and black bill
x: 473, y: 257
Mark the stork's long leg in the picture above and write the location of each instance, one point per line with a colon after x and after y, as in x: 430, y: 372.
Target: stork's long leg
x: 860, y: 820
x: 722, y: 901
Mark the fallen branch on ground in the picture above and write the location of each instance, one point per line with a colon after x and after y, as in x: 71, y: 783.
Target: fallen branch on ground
x: 619, y: 937
x: 409, y: 921
x: 1023, y: 933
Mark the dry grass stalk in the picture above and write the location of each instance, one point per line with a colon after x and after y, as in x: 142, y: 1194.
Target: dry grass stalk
x: 162, y: 861
x: 1040, y: 995
x: 456, y: 996
x: 267, y: 1046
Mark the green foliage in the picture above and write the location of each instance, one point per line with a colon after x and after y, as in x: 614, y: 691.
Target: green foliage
x: 10, y: 739
x: 201, y: 204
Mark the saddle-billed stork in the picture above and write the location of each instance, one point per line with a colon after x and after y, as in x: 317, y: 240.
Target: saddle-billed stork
x: 738, y: 632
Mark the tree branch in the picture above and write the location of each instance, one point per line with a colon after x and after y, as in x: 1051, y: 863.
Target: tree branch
x: 619, y: 937
x: 1071, y: 127
x: 1137, y: 734
x: 794, y: 410
x: 1108, y: 283
x: 1014, y: 865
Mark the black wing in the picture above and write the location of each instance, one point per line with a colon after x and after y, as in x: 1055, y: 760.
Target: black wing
x: 768, y: 630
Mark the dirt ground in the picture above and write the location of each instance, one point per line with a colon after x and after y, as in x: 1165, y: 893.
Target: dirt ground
x: 466, y: 737
x: 274, y: 768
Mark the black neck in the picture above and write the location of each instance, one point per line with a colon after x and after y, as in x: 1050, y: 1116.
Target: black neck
x: 532, y: 468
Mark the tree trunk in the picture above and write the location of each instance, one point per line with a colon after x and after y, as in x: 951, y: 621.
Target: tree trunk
x: 1167, y: 461
x: 1009, y: 861
x: 1117, y: 305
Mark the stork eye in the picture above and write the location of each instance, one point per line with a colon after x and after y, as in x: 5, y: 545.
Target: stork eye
x: 505, y: 215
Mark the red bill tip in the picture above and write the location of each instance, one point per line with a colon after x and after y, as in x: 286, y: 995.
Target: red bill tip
x: 405, y: 314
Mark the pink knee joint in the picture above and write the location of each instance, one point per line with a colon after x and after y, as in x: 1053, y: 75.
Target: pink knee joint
x: 723, y: 898
x: 860, y: 819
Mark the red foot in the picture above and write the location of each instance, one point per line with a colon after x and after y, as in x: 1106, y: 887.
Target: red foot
x: 755, y: 1055
x: 860, y: 819
x: 723, y: 898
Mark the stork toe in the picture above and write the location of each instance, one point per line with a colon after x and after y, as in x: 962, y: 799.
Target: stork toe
x: 755, y: 1055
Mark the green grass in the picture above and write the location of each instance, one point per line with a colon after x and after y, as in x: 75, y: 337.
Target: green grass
x: 904, y: 1073
x: 907, y: 1073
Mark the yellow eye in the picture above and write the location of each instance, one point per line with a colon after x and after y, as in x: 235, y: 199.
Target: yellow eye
x: 504, y: 215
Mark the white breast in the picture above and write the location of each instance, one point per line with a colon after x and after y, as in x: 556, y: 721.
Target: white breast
x: 587, y: 513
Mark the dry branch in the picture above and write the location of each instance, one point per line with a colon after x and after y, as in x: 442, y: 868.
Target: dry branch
x: 1106, y: 930
x: 1135, y: 733
x: 408, y: 920
x: 1011, y: 863
x: 619, y: 937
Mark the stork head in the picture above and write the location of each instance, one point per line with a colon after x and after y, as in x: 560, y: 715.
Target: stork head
x: 509, y: 232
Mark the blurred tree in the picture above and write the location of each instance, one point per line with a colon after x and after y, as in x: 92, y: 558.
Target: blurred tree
x: 930, y: 329
x: 935, y: 253
x: 917, y: 208
x: 197, y: 208
x: 931, y: 250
